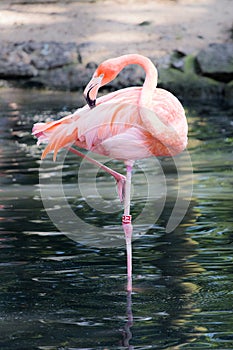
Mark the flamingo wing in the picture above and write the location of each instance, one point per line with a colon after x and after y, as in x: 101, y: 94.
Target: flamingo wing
x: 115, y: 127
x: 89, y: 128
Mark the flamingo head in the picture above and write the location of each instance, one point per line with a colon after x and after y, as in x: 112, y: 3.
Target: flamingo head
x: 106, y: 72
x: 91, y: 90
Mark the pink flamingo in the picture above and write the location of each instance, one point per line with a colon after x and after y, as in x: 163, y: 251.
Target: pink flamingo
x: 128, y: 124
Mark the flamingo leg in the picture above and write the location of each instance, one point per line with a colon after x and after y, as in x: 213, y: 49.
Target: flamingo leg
x: 126, y: 222
x: 124, y: 190
x: 120, y: 179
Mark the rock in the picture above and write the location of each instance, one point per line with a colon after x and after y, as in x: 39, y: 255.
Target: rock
x: 132, y: 75
x: 190, y: 86
x: 27, y: 58
x: 71, y: 78
x: 177, y: 60
x: 144, y: 23
x: 48, y: 55
x: 229, y: 94
x: 190, y: 65
x: 15, y: 62
x: 91, y: 65
x: 216, y: 61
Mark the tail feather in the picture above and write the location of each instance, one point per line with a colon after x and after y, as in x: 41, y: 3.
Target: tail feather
x: 41, y: 128
x: 58, y: 141
x: 57, y: 134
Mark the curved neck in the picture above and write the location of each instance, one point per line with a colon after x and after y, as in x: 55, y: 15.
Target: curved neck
x: 151, y: 79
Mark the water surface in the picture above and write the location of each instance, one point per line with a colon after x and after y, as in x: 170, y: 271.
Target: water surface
x: 60, y: 293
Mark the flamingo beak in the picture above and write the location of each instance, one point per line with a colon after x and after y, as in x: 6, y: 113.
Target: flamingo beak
x: 91, y: 90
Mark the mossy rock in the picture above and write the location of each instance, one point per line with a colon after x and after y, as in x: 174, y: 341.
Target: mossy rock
x: 216, y: 61
x: 190, y: 65
x: 190, y: 86
x: 169, y: 75
x: 229, y: 93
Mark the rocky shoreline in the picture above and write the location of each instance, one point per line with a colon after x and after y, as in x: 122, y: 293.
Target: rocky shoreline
x: 206, y: 76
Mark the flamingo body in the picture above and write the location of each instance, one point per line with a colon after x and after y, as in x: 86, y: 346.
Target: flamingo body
x: 128, y: 124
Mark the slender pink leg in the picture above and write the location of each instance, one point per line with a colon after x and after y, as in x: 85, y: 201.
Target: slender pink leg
x: 126, y: 222
x: 120, y: 179
x: 124, y: 189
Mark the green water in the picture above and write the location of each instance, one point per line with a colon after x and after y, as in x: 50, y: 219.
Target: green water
x: 60, y: 293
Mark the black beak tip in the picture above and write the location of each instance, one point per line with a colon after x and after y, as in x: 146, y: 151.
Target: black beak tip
x: 90, y: 102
